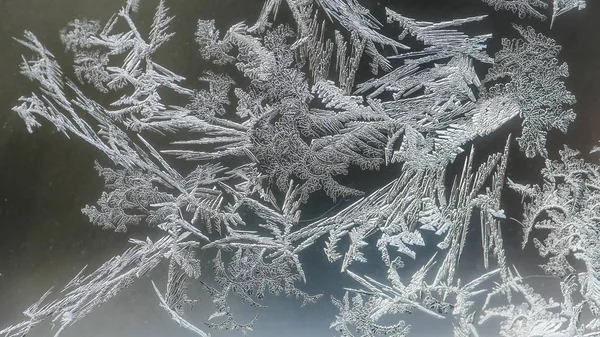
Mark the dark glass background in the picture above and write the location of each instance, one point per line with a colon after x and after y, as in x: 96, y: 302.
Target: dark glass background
x: 45, y: 178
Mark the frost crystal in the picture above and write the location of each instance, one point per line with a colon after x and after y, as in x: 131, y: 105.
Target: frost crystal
x: 535, y: 8
x: 530, y: 74
x: 228, y: 168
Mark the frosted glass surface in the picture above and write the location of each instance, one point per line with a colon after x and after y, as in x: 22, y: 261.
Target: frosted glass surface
x: 327, y: 167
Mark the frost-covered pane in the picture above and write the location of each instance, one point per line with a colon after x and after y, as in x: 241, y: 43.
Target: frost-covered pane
x: 228, y: 164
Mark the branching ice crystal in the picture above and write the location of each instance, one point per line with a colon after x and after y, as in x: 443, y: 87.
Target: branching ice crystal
x: 256, y: 149
x: 535, y: 82
x: 536, y: 8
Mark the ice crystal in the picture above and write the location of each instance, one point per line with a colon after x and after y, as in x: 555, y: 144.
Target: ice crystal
x: 534, y: 79
x: 536, y: 8
x: 240, y: 159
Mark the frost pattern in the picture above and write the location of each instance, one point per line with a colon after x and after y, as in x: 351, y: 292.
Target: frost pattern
x: 536, y: 8
x: 230, y: 170
x: 529, y: 73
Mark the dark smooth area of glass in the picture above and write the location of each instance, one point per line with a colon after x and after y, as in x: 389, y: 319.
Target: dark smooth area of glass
x: 46, y: 178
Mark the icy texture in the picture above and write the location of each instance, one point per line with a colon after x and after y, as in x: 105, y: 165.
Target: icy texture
x: 537, y: 8
x: 257, y: 150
